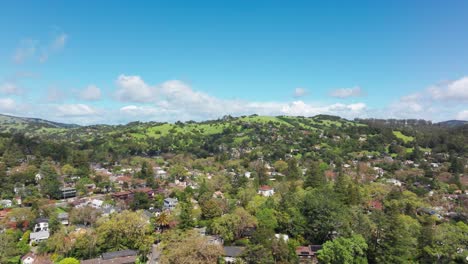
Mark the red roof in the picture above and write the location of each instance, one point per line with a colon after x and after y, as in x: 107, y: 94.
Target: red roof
x: 265, y: 188
x: 375, y: 205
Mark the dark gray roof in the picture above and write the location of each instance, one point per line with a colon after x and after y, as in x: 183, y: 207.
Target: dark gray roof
x: 233, y: 251
x: 119, y: 254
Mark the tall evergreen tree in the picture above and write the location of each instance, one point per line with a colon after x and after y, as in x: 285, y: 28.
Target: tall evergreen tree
x: 315, y: 177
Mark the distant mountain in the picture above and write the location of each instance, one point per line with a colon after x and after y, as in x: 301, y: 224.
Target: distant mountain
x: 17, y: 124
x: 452, y: 123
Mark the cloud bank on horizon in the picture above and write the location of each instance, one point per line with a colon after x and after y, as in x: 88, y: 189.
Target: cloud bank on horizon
x: 175, y: 100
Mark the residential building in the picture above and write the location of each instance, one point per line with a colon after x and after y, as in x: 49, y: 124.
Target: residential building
x: 170, y: 203
x: 266, y: 191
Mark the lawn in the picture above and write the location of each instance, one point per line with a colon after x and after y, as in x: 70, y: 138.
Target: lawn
x: 403, y: 137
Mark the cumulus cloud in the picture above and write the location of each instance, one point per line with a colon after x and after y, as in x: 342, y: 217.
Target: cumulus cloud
x: 10, y: 88
x: 7, y: 105
x: 134, y: 89
x: 454, y: 90
x: 463, y: 115
x: 300, y: 92
x: 347, y: 92
x: 75, y: 110
x: 26, y: 49
x: 176, y: 100
x: 90, y: 93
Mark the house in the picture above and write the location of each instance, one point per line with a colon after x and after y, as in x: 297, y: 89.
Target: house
x: 40, y: 236
x: 6, y: 203
x: 95, y: 203
x: 28, y: 258
x: 63, y: 218
x: 68, y: 192
x: 170, y: 203
x: 308, y: 254
x: 118, y: 257
x: 42, y: 224
x: 282, y: 236
x: 266, y: 191
x: 232, y: 253
x: 394, y: 182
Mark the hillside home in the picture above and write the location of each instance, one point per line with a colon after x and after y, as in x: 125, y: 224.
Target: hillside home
x: 37, y: 237
x: 170, y: 203
x: 231, y: 254
x: 308, y: 254
x: 266, y: 191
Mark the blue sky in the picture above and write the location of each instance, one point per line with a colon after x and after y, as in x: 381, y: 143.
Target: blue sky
x: 119, y: 61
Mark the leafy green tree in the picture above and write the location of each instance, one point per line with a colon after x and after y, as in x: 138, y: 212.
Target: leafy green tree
x: 124, y: 230
x: 315, y: 177
x: 69, y: 261
x: 325, y: 215
x: 186, y: 216
x: 140, y: 201
x: 211, y: 209
x: 50, y: 184
x: 449, y: 244
x: 294, y: 171
x: 344, y: 250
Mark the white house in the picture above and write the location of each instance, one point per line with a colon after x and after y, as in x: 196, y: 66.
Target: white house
x: 394, y: 182
x: 6, y: 203
x: 40, y: 236
x: 42, y: 224
x: 266, y: 191
x: 95, y: 203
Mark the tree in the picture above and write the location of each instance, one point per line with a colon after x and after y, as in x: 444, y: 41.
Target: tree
x: 140, y: 201
x: 162, y: 221
x: 50, y: 184
x: 232, y: 226
x: 449, y: 243
x: 294, y: 172
x: 344, y: 250
x: 188, y: 247
x: 146, y: 171
x: 281, y: 166
x: 186, y: 216
x: 124, y: 230
x: 69, y: 261
x: 325, y: 215
x: 399, y: 242
x: 211, y: 209
x: 315, y: 177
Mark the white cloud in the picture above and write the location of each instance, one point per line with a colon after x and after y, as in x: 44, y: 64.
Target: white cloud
x: 54, y: 95
x: 347, y: 92
x: 90, y: 93
x: 7, y: 105
x: 57, y: 44
x: 73, y: 110
x: 462, y: 115
x: 299, y: 92
x: 134, y: 89
x: 26, y: 49
x: 177, y: 100
x: 10, y: 88
x: 455, y: 90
